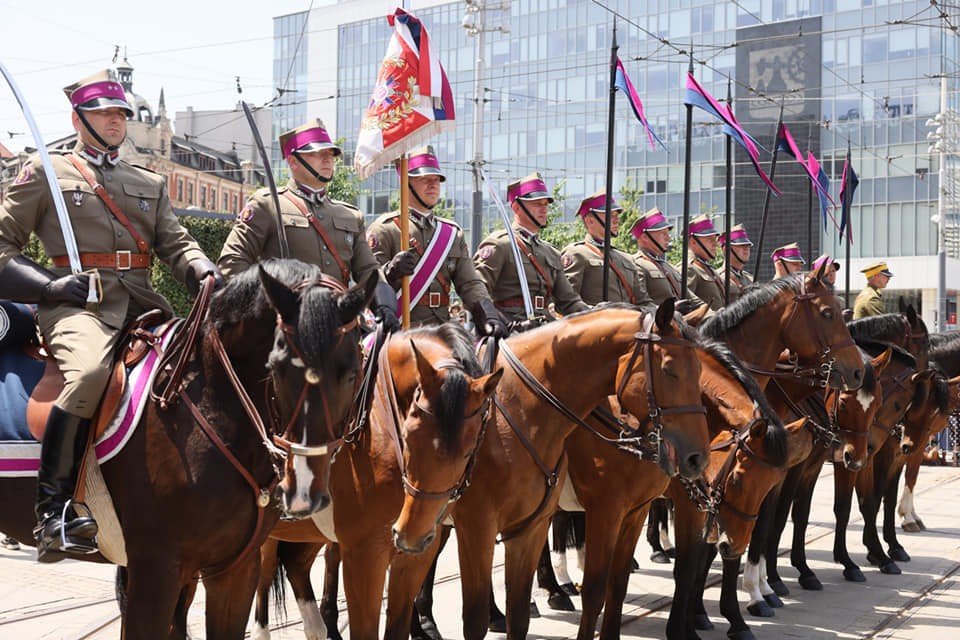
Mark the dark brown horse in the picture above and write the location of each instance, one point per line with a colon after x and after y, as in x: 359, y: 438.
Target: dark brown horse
x: 392, y: 485
x: 197, y: 488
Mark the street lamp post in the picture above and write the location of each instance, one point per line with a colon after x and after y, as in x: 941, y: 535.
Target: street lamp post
x: 940, y: 141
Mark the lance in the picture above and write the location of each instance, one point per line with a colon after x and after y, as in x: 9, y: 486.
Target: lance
x: 69, y: 240
x: 508, y: 224
x: 405, y: 237
x: 265, y: 159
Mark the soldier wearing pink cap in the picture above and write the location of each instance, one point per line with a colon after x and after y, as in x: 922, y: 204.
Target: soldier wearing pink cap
x: 122, y: 218
x: 786, y: 260
x: 320, y: 230
x: 830, y: 266
x: 652, y: 233
x: 437, y: 247
x: 542, y: 268
x: 702, y: 279
x: 740, y: 244
x: 583, y: 261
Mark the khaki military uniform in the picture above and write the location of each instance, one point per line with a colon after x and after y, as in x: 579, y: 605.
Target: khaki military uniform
x: 83, y: 342
x: 496, y: 265
x: 739, y: 280
x: 583, y: 265
x: 457, y: 268
x: 661, y: 277
x: 254, y: 236
x: 705, y: 283
x: 869, y: 302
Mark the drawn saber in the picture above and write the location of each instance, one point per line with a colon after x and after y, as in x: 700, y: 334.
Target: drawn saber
x: 69, y: 240
x: 521, y: 272
x: 281, y: 232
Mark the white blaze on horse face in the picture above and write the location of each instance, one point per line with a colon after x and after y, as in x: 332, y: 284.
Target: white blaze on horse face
x: 865, y: 398
x: 303, y: 477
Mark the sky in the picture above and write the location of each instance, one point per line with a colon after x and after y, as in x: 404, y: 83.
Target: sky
x: 192, y: 49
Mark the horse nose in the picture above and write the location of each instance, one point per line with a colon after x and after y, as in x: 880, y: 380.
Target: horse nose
x: 323, y: 502
x: 850, y: 462
x: 906, y: 448
x: 695, y: 464
x: 870, y: 449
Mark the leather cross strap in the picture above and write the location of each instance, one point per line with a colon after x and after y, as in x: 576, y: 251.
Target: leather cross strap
x: 536, y: 265
x: 673, y: 283
x: 713, y: 274
x: 620, y: 276
x: 107, y: 200
x: 312, y: 219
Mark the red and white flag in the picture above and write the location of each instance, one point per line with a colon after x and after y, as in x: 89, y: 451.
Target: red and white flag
x: 411, y: 102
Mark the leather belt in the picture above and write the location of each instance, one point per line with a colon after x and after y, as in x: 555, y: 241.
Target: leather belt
x: 539, y: 302
x: 121, y: 260
x: 435, y: 300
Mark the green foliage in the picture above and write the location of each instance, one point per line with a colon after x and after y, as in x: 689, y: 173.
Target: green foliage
x: 210, y: 234
x: 34, y: 251
x: 560, y: 232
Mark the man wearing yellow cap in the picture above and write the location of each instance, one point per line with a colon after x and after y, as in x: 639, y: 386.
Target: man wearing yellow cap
x: 583, y: 261
x: 542, y: 268
x: 121, y: 217
x: 869, y: 302
x: 328, y: 233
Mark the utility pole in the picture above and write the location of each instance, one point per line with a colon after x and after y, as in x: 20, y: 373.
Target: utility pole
x: 474, y: 21
x: 940, y: 141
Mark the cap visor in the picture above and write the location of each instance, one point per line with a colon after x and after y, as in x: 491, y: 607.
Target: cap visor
x: 318, y: 146
x: 106, y: 103
x: 427, y: 171
x: 535, y: 195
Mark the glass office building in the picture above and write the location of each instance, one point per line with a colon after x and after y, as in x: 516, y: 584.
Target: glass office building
x: 863, y: 74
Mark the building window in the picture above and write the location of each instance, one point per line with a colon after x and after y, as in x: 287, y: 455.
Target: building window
x: 190, y: 193
x: 180, y: 189
x: 213, y: 198
x: 226, y: 201
x: 235, y: 203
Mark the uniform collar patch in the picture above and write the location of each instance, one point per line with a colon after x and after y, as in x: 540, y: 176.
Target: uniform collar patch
x: 100, y: 158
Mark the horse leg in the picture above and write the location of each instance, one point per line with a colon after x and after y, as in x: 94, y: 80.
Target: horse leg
x: 618, y: 575
x: 269, y: 568
x: 364, y: 572
x: 688, y: 530
x: 520, y: 563
x: 229, y: 598
x: 870, y: 495
x: 769, y: 538
x: 557, y: 598
x: 407, y: 575
x: 798, y: 552
x: 910, y: 520
x: 730, y: 604
x: 475, y: 543
x: 564, y: 527
x: 657, y: 531
x: 423, y: 626
x: 329, y: 609
x: 894, y: 548
x: 842, y: 501
x: 153, y: 589
x: 603, y: 523
x: 297, y: 559
x: 764, y: 524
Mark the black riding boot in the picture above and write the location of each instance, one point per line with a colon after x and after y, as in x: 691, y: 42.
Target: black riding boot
x: 60, y: 528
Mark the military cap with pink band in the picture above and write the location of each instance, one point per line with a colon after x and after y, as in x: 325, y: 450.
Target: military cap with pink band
x: 597, y: 203
x: 312, y: 136
x: 652, y: 220
x: 738, y: 236
x: 531, y: 187
x: 99, y: 91
x: 788, y: 253
x: 423, y: 162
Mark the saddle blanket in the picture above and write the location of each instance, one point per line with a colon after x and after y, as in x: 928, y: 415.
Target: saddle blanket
x: 19, y: 374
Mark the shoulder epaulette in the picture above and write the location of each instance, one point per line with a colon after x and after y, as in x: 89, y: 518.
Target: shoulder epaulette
x: 349, y: 205
x: 452, y: 223
x: 140, y: 166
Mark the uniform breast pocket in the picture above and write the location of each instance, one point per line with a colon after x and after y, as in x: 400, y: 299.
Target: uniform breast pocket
x: 655, y: 274
x: 141, y: 200
x: 595, y: 263
x: 294, y: 220
x: 82, y: 202
x: 347, y: 230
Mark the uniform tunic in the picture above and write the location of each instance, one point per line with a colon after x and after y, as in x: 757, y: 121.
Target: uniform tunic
x: 661, y: 277
x: 83, y: 342
x: 705, y: 282
x: 869, y: 302
x: 457, y: 268
x: 583, y: 265
x: 496, y: 265
x: 739, y: 280
x: 254, y: 235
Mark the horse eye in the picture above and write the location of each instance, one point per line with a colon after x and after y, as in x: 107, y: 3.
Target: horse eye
x: 827, y: 313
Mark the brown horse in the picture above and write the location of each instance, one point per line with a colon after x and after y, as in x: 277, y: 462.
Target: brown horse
x: 539, y: 403
x: 393, y: 484
x: 196, y: 488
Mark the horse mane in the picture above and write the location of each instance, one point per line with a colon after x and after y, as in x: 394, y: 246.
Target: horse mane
x: 869, y: 372
x: 775, y: 440
x: 888, y: 326
x: 733, y: 315
x: 876, y: 347
x: 243, y: 298
x: 943, y: 338
x: 941, y: 392
x: 451, y: 404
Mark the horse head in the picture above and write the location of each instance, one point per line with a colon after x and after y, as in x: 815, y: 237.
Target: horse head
x: 314, y: 369
x: 898, y: 382
x: 664, y: 392
x: 439, y: 437
x: 852, y: 412
x: 929, y: 407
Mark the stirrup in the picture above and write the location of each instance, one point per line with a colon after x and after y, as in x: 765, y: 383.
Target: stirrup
x: 67, y: 544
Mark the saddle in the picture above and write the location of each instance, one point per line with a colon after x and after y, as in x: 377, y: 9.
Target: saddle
x: 140, y: 336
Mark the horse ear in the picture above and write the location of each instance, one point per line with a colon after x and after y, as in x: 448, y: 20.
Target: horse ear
x: 901, y: 304
x: 488, y: 383
x: 665, y: 314
x: 758, y: 429
x: 881, y: 361
x: 351, y: 303
x: 281, y: 297
x: 817, y: 276
x: 427, y: 375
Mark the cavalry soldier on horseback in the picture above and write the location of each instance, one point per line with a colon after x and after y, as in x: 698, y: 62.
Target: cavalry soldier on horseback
x: 583, y: 261
x: 702, y: 280
x: 786, y: 260
x: 542, y: 269
x: 739, y: 254
x: 869, y: 302
x: 439, y: 257
x: 652, y: 232
x: 321, y: 231
x: 121, y: 213
x: 830, y: 273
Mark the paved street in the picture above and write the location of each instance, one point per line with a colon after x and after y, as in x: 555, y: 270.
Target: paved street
x: 73, y: 600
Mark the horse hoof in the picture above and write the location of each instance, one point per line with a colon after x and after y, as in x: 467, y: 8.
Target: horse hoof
x: 890, y: 569
x: 671, y: 553
x: 427, y: 630
x: 560, y: 602
x: 876, y: 559
x: 570, y: 589
x: 773, y: 600
x: 810, y: 582
x: 333, y: 634
x: 534, y: 611
x: 760, y: 609
x: 910, y: 527
x: 701, y: 622
x: 497, y: 625
x: 635, y: 566
x: 779, y: 588
x: 660, y: 557
x: 853, y: 574
x: 899, y: 554
x: 743, y: 634
x: 920, y: 524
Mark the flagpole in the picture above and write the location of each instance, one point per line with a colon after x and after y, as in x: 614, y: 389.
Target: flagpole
x: 728, y: 197
x: 686, y: 192
x: 766, y: 197
x: 610, y: 126
x: 846, y: 255
x: 810, y: 253
x: 405, y: 237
